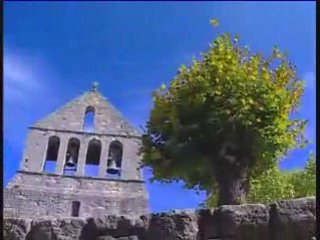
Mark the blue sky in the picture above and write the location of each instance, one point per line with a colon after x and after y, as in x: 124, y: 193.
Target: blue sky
x: 53, y: 51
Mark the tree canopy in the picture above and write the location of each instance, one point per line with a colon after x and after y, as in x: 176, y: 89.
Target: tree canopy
x: 224, y: 119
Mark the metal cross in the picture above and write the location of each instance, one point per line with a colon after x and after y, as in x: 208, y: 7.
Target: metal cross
x: 95, y: 86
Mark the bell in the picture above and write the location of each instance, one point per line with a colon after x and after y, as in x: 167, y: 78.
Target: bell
x: 70, y: 162
x: 112, y: 168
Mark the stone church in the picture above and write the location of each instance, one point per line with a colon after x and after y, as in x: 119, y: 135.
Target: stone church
x: 72, y: 189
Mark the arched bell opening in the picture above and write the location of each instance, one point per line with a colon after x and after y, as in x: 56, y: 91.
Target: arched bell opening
x: 51, y: 154
x: 114, y: 159
x: 72, y: 155
x: 88, y: 121
x: 93, y: 158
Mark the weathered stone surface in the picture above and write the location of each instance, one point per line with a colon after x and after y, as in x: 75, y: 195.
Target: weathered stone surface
x: 293, y: 219
x: 208, y: 223
x: 70, y: 116
x: 42, y: 230
x: 172, y: 226
x: 118, y: 227
x: 285, y: 220
x: 105, y: 238
x: 68, y: 228
x: 16, y: 229
x: 129, y: 238
x: 234, y: 222
x: 96, y: 197
x: 244, y: 222
x: 113, y: 225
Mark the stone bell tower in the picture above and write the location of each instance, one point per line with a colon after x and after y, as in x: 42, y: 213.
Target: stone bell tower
x: 93, y: 170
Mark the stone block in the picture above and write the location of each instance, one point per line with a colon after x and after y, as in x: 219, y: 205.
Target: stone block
x: 113, y: 226
x: 16, y: 228
x: 173, y: 226
x: 42, y: 230
x: 293, y: 219
x: 208, y: 223
x: 66, y: 229
x: 244, y: 222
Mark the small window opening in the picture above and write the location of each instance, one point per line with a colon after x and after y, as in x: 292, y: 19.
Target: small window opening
x: 114, y: 160
x: 88, y: 122
x: 93, y: 158
x: 72, y: 155
x: 52, y: 154
x: 75, y: 209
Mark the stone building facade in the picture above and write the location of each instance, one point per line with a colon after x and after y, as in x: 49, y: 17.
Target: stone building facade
x: 96, y: 170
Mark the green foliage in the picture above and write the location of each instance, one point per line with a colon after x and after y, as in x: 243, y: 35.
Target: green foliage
x: 272, y: 185
x: 304, y: 182
x: 227, y: 91
x: 275, y: 184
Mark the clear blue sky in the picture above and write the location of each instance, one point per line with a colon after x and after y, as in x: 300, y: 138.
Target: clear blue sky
x: 53, y: 51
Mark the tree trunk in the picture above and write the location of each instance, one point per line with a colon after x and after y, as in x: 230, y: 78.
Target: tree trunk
x: 231, y: 170
x: 233, y: 189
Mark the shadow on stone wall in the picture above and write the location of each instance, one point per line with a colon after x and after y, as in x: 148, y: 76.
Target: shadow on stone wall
x: 41, y: 233
x: 284, y: 220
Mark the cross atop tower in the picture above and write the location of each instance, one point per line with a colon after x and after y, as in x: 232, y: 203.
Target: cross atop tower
x: 95, y: 86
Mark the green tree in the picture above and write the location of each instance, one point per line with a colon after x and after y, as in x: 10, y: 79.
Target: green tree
x: 275, y: 184
x: 224, y: 119
x: 272, y: 185
x: 304, y: 182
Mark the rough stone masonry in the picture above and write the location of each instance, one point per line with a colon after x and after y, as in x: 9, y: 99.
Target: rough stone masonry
x: 283, y: 220
x: 96, y: 168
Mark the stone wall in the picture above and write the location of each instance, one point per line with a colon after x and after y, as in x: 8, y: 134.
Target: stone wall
x: 284, y: 220
x: 31, y: 195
